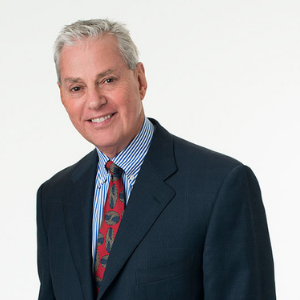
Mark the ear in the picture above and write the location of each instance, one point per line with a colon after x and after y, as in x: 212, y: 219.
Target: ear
x: 61, y: 93
x: 141, y: 77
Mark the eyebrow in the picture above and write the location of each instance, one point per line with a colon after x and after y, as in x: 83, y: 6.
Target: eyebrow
x: 78, y: 79
x: 73, y: 80
x: 104, y: 73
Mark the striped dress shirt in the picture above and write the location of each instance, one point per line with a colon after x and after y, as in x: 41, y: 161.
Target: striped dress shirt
x: 130, y: 160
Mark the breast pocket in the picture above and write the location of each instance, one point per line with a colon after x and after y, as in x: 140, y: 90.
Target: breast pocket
x: 171, y: 281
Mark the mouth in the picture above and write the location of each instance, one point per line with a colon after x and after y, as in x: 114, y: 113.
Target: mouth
x: 102, y: 119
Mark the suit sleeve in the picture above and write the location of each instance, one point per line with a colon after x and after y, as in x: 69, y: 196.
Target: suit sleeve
x: 46, y: 290
x: 237, y: 261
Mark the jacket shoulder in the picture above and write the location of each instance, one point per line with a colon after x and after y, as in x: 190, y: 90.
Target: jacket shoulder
x: 198, y: 155
x: 188, y: 157
x: 73, y: 172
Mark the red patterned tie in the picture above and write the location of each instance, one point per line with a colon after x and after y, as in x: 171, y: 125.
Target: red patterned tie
x: 113, y: 211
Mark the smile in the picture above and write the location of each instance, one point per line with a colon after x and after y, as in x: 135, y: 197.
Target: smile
x: 102, y: 119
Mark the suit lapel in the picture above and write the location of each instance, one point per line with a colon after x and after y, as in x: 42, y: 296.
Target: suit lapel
x: 148, y: 199
x: 78, y: 207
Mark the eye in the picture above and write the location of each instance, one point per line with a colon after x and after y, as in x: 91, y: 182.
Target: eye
x: 75, y: 89
x: 109, y: 80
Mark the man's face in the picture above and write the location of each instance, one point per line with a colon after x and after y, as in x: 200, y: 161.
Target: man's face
x: 101, y: 95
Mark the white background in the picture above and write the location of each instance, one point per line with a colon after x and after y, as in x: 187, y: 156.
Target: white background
x: 223, y: 74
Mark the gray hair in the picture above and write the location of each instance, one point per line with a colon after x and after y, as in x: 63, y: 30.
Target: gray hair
x: 96, y: 28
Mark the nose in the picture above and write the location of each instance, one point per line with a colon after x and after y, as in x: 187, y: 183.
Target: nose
x: 95, y: 99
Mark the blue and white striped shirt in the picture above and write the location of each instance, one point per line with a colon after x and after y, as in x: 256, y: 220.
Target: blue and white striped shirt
x: 130, y: 160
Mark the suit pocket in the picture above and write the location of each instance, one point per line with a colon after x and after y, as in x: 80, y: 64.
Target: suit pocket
x: 171, y: 281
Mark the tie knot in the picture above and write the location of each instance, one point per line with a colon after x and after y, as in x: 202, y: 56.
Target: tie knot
x: 114, y: 170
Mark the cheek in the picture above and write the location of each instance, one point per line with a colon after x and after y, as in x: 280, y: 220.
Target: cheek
x: 74, y: 108
x: 132, y: 111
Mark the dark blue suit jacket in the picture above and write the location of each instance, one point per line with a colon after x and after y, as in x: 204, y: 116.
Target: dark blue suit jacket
x: 194, y: 228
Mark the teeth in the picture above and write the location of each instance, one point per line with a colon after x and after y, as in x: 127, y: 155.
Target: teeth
x: 99, y: 120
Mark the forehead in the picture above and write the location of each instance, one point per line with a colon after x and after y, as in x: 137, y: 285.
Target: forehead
x: 92, y: 53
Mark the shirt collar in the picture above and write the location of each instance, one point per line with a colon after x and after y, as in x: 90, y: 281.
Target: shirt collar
x: 131, y: 158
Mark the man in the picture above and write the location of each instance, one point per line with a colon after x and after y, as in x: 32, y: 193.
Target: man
x: 191, y: 223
